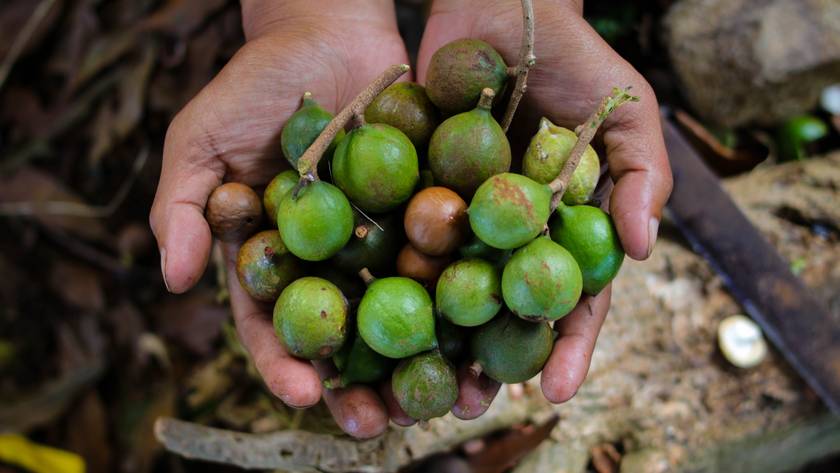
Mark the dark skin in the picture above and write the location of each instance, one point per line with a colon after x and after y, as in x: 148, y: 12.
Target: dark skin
x: 333, y: 48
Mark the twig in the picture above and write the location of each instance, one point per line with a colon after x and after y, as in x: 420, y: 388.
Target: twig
x: 586, y: 133
x: 308, y: 163
x: 23, y: 38
x: 76, y: 209
x: 367, y: 216
x: 526, y: 62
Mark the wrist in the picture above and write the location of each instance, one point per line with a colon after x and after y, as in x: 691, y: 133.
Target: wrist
x: 263, y: 16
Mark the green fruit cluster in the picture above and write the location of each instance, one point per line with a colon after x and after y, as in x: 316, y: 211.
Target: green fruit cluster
x: 418, y: 248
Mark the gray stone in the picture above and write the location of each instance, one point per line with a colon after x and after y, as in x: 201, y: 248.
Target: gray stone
x: 754, y: 61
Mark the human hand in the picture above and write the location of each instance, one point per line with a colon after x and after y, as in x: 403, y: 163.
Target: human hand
x: 575, y: 69
x: 230, y: 132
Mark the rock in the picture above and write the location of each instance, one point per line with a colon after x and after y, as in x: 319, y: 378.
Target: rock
x: 754, y: 61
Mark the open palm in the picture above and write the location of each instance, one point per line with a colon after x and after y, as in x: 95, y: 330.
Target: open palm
x: 230, y: 132
x: 575, y: 69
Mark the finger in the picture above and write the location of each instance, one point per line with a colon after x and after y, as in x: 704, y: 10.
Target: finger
x: 475, y: 393
x: 357, y: 409
x: 638, y: 164
x: 292, y: 380
x: 568, y: 363
x: 177, y: 217
x: 396, y: 412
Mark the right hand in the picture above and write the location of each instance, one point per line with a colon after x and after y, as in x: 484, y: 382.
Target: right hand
x: 230, y: 132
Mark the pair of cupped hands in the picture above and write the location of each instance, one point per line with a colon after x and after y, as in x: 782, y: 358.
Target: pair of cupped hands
x: 333, y: 48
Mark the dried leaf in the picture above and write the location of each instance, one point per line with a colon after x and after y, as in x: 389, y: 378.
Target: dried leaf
x: 177, y: 18
x: 30, y: 185
x: 80, y: 27
x: 137, y: 433
x: 42, y: 407
x: 506, y: 450
x: 23, y: 110
x: 181, y: 17
x: 86, y: 433
x: 193, y: 320
x: 605, y: 458
x: 126, y: 323
x: 13, y: 17
x: 726, y: 159
x: 78, y: 286
x: 211, y: 381
x: 115, y: 122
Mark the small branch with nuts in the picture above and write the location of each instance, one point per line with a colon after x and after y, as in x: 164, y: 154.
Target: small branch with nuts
x: 308, y: 163
x: 585, y: 133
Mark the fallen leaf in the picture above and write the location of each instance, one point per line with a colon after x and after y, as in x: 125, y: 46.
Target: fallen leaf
x: 86, y: 433
x: 78, y: 285
x: 49, y: 401
x: 14, y: 15
x: 181, y: 17
x: 726, y: 158
x: 193, y: 320
x: 136, y: 426
x: 126, y: 323
x: 30, y: 187
x: 210, y: 381
x: 605, y: 458
x: 177, y: 18
x: 503, y: 451
x: 116, y: 121
x: 23, y: 110
x: 79, y: 28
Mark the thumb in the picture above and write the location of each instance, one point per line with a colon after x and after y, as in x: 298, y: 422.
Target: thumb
x: 188, y: 176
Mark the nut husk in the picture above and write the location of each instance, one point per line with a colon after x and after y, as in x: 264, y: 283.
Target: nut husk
x: 234, y: 212
x: 436, y: 221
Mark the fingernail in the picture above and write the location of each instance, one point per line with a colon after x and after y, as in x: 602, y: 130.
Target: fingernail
x: 653, y: 229
x: 163, y: 267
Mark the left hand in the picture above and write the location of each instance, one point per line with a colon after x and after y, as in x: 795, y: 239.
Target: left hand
x: 575, y: 69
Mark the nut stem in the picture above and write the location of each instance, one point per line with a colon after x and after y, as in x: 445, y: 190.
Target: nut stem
x: 475, y: 369
x: 526, y: 62
x: 308, y: 163
x: 585, y: 134
x: 368, y: 278
x: 334, y: 382
x: 486, y: 100
x: 361, y: 231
